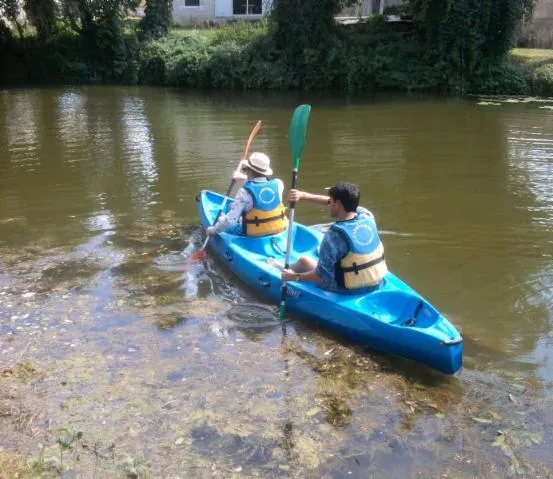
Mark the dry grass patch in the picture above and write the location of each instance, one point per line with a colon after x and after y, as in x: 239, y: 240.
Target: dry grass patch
x: 14, y: 413
x: 12, y: 465
x: 526, y: 56
x: 19, y: 416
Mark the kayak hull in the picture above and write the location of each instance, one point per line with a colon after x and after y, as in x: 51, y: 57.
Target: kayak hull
x: 393, y: 319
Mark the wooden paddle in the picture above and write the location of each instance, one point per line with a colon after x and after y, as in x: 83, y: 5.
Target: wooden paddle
x: 296, y: 142
x: 200, y: 254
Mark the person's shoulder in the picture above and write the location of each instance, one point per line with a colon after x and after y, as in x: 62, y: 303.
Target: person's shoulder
x: 361, y: 210
x: 334, y: 236
x: 280, y: 184
x: 243, y: 193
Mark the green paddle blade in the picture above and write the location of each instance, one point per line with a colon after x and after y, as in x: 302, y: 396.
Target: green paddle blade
x: 296, y: 132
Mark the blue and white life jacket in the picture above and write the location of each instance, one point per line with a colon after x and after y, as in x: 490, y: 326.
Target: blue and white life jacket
x: 364, y: 264
x: 268, y: 215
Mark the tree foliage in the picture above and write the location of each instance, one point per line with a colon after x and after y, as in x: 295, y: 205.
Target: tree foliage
x: 452, y: 45
x: 305, y: 32
x: 461, y: 38
x: 157, y: 17
x: 300, y: 24
x: 42, y: 14
x: 84, y: 15
x: 9, y: 11
x: 468, y: 36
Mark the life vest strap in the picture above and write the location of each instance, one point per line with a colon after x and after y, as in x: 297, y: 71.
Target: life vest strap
x: 257, y: 221
x: 355, y: 268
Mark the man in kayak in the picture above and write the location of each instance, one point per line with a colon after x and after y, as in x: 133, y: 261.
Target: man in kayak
x: 351, y: 255
x: 257, y: 209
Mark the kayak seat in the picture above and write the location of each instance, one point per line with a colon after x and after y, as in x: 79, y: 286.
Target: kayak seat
x: 420, y: 314
x: 306, y: 240
x: 383, y: 305
x: 398, y: 307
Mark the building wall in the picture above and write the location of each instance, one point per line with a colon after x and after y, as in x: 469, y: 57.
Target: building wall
x: 189, y: 16
x: 367, y: 7
x: 539, y: 32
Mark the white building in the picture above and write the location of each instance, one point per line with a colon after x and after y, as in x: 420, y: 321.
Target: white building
x: 196, y: 12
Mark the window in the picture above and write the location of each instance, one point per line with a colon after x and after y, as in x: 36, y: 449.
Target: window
x: 247, y: 7
x: 191, y: 3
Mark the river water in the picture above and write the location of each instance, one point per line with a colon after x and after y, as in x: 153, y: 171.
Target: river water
x: 185, y: 373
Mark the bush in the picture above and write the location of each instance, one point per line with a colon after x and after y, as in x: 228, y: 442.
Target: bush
x: 541, y: 80
x: 502, y: 79
x: 370, y: 56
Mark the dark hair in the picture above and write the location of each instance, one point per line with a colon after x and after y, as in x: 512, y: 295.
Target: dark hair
x: 347, y: 193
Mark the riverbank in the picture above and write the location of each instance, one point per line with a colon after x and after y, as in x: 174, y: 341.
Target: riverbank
x: 371, y: 57
x: 536, y: 67
x: 111, y: 383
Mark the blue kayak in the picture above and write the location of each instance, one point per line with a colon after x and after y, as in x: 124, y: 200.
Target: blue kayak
x: 393, y: 319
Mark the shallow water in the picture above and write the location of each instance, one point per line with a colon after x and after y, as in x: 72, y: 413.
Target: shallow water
x: 183, y: 372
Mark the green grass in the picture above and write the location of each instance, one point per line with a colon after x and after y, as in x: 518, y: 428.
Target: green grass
x: 536, y: 65
x: 181, y: 32
x: 522, y: 56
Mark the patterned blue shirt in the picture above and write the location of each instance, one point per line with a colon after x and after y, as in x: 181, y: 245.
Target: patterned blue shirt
x: 333, y: 248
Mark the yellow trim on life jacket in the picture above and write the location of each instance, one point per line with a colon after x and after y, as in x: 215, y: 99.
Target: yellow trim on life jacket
x: 261, y: 223
x: 363, y: 274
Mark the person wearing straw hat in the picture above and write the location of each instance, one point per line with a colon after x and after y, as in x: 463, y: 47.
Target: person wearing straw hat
x: 257, y: 209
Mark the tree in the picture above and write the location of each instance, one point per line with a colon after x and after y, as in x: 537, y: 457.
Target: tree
x: 42, y: 14
x: 469, y: 35
x: 157, y: 18
x: 305, y: 32
x: 9, y: 11
x: 84, y: 15
x: 300, y: 24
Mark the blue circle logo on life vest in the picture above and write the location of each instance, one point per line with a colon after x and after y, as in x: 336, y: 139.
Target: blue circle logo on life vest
x: 363, y: 235
x: 266, y: 196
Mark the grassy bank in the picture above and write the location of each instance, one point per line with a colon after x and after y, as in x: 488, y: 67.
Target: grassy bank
x: 536, y: 66
x: 373, y: 56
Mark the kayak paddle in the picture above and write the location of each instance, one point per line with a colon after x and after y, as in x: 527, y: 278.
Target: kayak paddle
x: 200, y: 254
x: 296, y: 142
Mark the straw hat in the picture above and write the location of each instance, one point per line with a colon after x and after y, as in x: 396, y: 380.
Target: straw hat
x: 260, y: 163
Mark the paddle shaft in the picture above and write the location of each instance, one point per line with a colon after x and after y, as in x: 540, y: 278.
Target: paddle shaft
x: 296, y: 141
x: 291, y: 211
x: 232, y: 183
x: 254, y: 131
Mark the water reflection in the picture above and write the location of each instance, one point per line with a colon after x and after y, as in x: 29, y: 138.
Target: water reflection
x: 20, y: 122
x: 530, y: 166
x: 72, y: 126
x: 137, y: 151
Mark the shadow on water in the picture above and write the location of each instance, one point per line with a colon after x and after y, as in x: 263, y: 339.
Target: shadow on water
x: 254, y: 316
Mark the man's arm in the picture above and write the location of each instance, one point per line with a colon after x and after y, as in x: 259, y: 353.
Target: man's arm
x: 333, y: 248
x: 297, y: 195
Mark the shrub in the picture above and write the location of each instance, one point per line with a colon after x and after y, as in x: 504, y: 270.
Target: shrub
x: 541, y: 80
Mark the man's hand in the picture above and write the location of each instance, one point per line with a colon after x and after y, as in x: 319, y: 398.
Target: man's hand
x: 295, y: 196
x: 210, y: 231
x: 289, y: 275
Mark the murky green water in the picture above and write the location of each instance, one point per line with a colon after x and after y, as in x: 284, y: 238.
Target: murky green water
x: 185, y: 374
